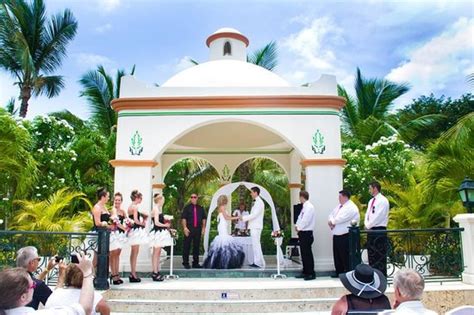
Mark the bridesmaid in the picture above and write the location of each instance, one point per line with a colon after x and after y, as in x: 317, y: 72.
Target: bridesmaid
x: 159, y: 235
x: 137, y: 235
x: 100, y: 214
x: 117, y: 237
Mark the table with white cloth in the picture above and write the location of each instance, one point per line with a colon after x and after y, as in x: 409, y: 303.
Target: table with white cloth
x: 246, y: 242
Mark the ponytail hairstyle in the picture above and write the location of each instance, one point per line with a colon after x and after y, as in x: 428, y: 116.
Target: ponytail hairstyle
x: 135, y: 194
x: 101, y: 192
x: 14, y: 283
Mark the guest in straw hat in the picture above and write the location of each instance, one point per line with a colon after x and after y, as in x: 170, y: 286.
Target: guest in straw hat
x: 367, y: 286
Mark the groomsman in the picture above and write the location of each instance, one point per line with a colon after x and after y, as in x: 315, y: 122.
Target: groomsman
x: 339, y: 221
x: 255, y: 225
x: 305, y: 227
x: 376, y: 219
x: 193, y: 220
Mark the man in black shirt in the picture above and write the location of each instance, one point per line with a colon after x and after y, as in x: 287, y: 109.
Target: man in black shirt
x: 194, y: 225
x: 27, y: 257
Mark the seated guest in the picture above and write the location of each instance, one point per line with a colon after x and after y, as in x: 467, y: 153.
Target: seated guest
x: 72, y: 291
x: 408, y: 288
x: 16, y: 291
x: 27, y: 258
x: 367, y: 286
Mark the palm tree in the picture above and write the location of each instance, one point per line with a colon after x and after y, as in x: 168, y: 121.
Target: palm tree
x: 266, y: 57
x: 52, y: 214
x: 364, y: 116
x: 99, y: 89
x: 10, y: 107
x: 451, y: 158
x: 32, y: 47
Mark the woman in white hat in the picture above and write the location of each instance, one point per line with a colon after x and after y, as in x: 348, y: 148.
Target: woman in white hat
x: 367, y: 286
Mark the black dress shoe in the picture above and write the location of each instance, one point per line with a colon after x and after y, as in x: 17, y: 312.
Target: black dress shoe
x: 311, y: 277
x: 186, y: 266
x: 197, y: 266
x: 300, y: 276
x: 255, y: 266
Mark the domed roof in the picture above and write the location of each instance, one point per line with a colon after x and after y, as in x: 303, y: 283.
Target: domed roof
x: 227, y: 32
x: 226, y: 73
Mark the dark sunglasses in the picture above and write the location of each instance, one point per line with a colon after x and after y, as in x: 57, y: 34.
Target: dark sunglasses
x: 194, y: 197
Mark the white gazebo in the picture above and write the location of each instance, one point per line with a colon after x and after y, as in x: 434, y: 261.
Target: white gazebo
x: 228, y: 111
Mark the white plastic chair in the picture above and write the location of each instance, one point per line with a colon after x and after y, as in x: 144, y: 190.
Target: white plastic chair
x: 462, y: 310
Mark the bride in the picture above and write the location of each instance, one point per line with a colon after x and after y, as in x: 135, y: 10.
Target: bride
x: 224, y: 252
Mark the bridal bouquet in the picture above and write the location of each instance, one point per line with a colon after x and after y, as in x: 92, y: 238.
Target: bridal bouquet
x: 128, y: 224
x: 114, y: 222
x: 277, y: 234
x: 167, y: 218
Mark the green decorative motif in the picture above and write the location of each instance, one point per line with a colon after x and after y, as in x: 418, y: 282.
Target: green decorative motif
x: 318, y: 143
x: 225, y: 174
x: 136, y: 147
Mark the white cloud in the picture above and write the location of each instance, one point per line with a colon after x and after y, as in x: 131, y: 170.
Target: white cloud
x: 312, y: 51
x: 103, y: 28
x: 109, y: 5
x: 439, y: 64
x: 87, y: 61
x: 312, y: 44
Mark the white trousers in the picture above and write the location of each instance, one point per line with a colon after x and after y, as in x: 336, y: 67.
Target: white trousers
x: 257, y: 247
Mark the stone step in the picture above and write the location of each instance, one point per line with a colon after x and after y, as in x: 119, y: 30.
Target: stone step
x: 231, y: 289
x: 223, y: 306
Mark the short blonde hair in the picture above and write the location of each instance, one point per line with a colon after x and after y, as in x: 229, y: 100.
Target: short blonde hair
x: 222, y: 200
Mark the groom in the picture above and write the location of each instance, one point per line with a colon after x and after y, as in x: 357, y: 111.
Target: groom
x: 255, y: 225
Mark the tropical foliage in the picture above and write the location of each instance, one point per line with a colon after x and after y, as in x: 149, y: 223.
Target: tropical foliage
x: 32, y: 47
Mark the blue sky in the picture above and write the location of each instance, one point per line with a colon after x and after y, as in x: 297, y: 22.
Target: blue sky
x: 429, y: 44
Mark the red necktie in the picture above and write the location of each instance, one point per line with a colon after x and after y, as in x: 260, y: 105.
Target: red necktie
x: 195, y: 217
x: 371, y: 208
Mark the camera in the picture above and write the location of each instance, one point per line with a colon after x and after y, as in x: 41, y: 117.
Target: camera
x: 74, y: 259
x: 58, y: 258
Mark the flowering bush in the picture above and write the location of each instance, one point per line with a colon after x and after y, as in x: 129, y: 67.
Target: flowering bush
x: 52, y: 140
x: 388, y: 159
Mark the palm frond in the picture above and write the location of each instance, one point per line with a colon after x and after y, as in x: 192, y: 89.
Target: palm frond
x: 266, y: 57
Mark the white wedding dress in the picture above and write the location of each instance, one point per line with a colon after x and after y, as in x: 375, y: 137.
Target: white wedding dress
x: 224, y: 252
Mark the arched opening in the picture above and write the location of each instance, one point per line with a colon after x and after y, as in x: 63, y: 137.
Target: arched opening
x: 269, y: 174
x: 227, y: 49
x: 186, y: 176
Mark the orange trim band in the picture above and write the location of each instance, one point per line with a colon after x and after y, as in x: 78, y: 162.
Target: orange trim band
x: 228, y: 102
x: 240, y: 37
x: 158, y: 186
x: 319, y: 162
x: 133, y: 163
x: 295, y: 185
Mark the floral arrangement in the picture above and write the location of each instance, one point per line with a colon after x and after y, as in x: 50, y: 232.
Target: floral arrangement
x: 128, y: 224
x: 167, y: 218
x: 114, y: 222
x: 277, y: 234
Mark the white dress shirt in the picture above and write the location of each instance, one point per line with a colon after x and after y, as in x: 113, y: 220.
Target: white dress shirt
x: 377, y: 212
x: 241, y: 225
x: 342, y: 216
x: 410, y: 308
x: 62, y: 297
x: 255, y: 218
x: 306, y: 218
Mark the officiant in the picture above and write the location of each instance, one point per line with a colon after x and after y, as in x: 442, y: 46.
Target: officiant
x: 193, y: 220
x: 240, y: 226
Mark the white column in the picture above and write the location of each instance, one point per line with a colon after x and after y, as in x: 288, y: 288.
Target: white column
x: 323, y: 182
x: 466, y: 221
x: 128, y: 178
x: 295, y: 187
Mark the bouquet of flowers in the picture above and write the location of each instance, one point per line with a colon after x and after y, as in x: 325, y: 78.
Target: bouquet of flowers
x: 277, y: 234
x: 128, y: 224
x: 167, y: 218
x: 174, y: 233
x: 114, y: 222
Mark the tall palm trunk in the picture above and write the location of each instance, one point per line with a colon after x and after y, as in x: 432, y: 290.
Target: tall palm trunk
x: 25, y: 96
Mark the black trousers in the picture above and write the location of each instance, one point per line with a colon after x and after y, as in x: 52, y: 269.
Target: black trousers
x: 306, y: 240
x: 195, y: 238
x: 340, y: 251
x: 377, y: 244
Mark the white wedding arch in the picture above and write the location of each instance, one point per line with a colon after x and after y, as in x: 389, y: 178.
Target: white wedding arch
x: 227, y: 190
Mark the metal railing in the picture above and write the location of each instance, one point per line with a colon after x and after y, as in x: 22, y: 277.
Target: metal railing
x: 95, y: 245
x: 435, y: 253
